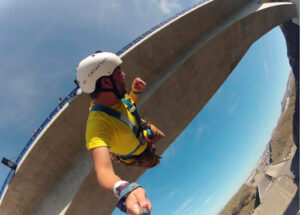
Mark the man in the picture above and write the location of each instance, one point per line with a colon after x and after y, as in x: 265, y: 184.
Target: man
x: 114, y: 128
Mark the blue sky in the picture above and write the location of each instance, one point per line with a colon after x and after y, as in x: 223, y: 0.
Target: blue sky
x: 41, y: 44
x: 216, y: 153
x: 211, y: 159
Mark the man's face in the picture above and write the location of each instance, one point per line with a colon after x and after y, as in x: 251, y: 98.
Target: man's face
x: 119, y: 78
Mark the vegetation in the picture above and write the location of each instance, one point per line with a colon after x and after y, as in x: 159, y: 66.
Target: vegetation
x: 242, y: 202
x: 282, y: 138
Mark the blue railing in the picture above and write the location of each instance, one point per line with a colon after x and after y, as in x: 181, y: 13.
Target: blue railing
x: 158, y: 26
x: 73, y: 93
x: 32, y: 139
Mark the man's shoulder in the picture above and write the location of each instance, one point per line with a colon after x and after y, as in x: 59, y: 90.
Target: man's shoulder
x: 97, y: 118
x: 96, y: 124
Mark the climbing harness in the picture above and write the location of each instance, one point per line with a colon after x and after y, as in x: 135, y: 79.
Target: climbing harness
x: 142, y: 132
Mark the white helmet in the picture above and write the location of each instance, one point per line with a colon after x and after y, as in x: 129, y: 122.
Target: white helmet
x: 94, y: 67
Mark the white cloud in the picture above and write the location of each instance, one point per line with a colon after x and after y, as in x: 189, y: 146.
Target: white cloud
x: 171, y: 151
x: 266, y: 71
x: 36, y: 60
x: 233, y: 107
x: 208, y: 200
x: 191, y: 206
x: 266, y: 67
x: 167, y: 6
x: 108, y: 11
x: 183, y: 208
x: 172, y: 194
x: 115, y: 5
x: 200, y: 129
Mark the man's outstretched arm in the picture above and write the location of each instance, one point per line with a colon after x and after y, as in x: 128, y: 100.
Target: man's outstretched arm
x: 107, y: 180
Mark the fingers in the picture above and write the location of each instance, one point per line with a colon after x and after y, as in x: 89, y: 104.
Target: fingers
x: 139, y: 81
x: 149, y: 205
x: 157, y: 134
x: 138, y: 85
x: 132, y: 205
x: 144, y: 211
x: 141, y: 197
x: 136, y: 200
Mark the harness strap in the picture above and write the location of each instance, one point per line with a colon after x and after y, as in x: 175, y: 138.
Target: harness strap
x: 117, y: 115
x: 133, y: 110
x: 142, y: 128
x: 126, y: 121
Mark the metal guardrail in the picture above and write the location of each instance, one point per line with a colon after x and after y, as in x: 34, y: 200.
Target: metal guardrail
x: 125, y: 48
x: 73, y: 93
x: 32, y: 139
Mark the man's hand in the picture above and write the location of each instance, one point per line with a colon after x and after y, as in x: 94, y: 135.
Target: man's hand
x: 136, y: 200
x: 157, y: 134
x: 138, y: 85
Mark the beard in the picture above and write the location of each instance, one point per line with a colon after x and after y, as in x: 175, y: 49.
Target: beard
x: 122, y: 90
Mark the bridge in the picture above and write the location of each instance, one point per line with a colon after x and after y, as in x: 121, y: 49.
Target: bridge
x: 201, y: 45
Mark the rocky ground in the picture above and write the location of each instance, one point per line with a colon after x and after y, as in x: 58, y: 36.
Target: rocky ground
x: 273, y: 187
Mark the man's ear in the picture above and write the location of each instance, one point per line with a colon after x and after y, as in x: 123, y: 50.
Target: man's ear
x: 106, y: 83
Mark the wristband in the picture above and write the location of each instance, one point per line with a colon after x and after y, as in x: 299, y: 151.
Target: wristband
x: 136, y: 93
x: 119, y: 186
x: 123, y: 195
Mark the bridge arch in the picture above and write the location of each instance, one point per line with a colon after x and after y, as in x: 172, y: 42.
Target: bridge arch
x: 183, y: 46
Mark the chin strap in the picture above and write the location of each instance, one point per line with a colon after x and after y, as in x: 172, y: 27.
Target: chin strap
x: 114, y: 89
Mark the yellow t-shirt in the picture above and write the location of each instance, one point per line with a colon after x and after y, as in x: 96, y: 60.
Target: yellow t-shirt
x: 104, y: 130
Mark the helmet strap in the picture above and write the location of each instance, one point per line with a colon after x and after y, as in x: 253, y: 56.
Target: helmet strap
x: 115, y: 90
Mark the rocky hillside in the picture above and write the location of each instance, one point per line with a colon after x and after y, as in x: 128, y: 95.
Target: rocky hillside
x: 282, y: 137
x: 278, y: 148
x: 289, y: 93
x: 243, y: 202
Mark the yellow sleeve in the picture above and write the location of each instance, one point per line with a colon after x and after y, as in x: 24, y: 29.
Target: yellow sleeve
x: 97, y: 134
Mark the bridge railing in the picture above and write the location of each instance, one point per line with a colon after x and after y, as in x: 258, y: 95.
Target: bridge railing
x: 73, y: 93
x: 33, y: 138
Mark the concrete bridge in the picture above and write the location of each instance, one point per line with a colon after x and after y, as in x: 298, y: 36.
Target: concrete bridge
x: 200, y: 46
x: 277, y: 191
